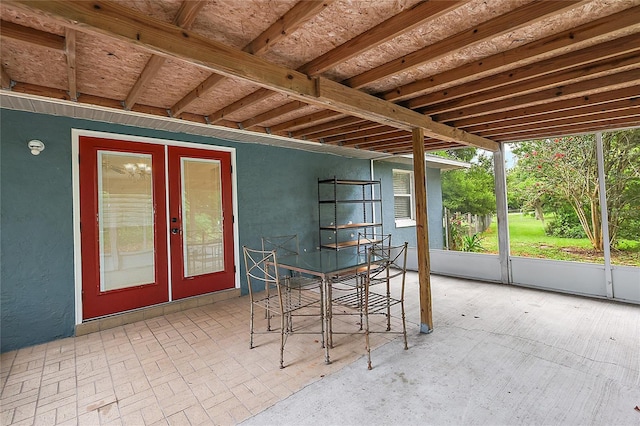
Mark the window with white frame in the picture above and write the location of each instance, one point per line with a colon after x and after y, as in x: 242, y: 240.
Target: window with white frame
x: 403, y: 196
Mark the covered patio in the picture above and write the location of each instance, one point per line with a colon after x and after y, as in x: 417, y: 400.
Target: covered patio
x: 363, y: 80
x: 293, y: 92
x: 500, y: 355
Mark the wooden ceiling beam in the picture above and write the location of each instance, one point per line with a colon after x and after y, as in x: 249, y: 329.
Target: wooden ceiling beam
x: 373, y: 140
x: 354, y: 102
x: 32, y: 36
x: 148, y: 73
x: 295, y: 17
x: 6, y: 80
x: 559, y: 106
x: 188, y: 12
x: 403, y: 22
x: 523, y: 55
x: 524, y: 15
x: 596, y: 126
x: 439, y: 145
x: 271, y: 114
x: 70, y: 51
x: 253, y: 98
x: 603, y: 116
x: 184, y: 18
x: 551, y: 71
x: 164, y: 38
x: 346, y: 131
x: 374, y: 130
x: 404, y: 144
x: 333, y: 127
x: 47, y: 92
x: 392, y: 27
x: 286, y: 24
x: 307, y: 120
x: 383, y: 146
x: 598, y: 69
x: 570, y: 114
x: 406, y: 148
x: 199, y: 91
x: 582, y: 88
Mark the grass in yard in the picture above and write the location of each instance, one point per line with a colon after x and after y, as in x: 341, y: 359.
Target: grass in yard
x: 528, y: 239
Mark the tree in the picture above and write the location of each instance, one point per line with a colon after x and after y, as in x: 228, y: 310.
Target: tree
x: 565, y: 170
x: 470, y: 190
x: 525, y: 193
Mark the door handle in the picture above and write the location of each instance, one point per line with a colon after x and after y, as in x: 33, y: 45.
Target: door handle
x: 175, y: 231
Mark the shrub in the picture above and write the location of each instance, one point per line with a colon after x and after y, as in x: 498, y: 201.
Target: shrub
x: 472, y: 243
x: 565, y: 225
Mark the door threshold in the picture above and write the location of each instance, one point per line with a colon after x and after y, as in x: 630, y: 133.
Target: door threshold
x: 115, y: 320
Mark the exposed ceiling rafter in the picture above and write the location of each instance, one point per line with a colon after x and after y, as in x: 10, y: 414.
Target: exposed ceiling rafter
x: 531, y: 68
x: 289, y: 22
x: 185, y: 17
x: 526, y: 14
x: 387, y: 30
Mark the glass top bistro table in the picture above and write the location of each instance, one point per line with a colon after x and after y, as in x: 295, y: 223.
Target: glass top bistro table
x: 325, y: 264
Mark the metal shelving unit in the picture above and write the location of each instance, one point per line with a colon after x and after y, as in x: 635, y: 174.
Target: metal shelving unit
x: 346, y: 208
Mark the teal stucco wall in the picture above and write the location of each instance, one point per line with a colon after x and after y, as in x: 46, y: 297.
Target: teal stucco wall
x: 434, y: 204
x: 276, y: 193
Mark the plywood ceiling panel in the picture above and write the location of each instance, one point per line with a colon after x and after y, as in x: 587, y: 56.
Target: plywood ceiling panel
x: 462, y: 63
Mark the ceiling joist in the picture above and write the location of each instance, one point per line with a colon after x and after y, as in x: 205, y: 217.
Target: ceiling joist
x: 508, y: 70
x: 526, y: 54
x: 490, y: 29
x: 185, y: 17
x: 400, y: 23
x: 608, y: 82
x: 70, y: 50
x: 289, y: 22
x: 32, y: 36
x: 6, y: 80
x: 547, y: 72
x: 387, y: 30
x: 565, y: 107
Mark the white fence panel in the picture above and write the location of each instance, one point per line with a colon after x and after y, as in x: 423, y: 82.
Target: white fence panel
x: 568, y: 277
x: 559, y: 275
x: 484, y: 267
x: 626, y: 283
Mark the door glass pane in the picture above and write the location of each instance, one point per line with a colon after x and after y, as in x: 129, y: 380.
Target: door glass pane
x: 125, y: 220
x: 202, y: 216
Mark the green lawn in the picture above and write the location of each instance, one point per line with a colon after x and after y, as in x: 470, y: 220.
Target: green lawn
x: 529, y: 240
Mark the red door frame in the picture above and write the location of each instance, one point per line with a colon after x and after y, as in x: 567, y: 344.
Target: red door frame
x: 95, y: 302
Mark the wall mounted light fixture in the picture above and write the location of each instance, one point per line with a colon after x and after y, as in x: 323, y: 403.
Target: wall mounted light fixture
x: 36, y: 146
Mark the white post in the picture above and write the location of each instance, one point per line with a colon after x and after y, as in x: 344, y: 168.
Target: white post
x: 446, y: 228
x: 502, y: 213
x: 604, y: 216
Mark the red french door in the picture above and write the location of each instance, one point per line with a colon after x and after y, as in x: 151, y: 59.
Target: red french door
x: 201, y: 224
x: 127, y: 239
x: 123, y: 226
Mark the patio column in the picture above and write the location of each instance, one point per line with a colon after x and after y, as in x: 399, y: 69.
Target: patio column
x: 502, y: 213
x: 422, y: 231
x: 604, y: 215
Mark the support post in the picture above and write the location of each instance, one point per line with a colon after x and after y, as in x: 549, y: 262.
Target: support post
x: 422, y: 231
x: 502, y: 213
x: 604, y: 216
